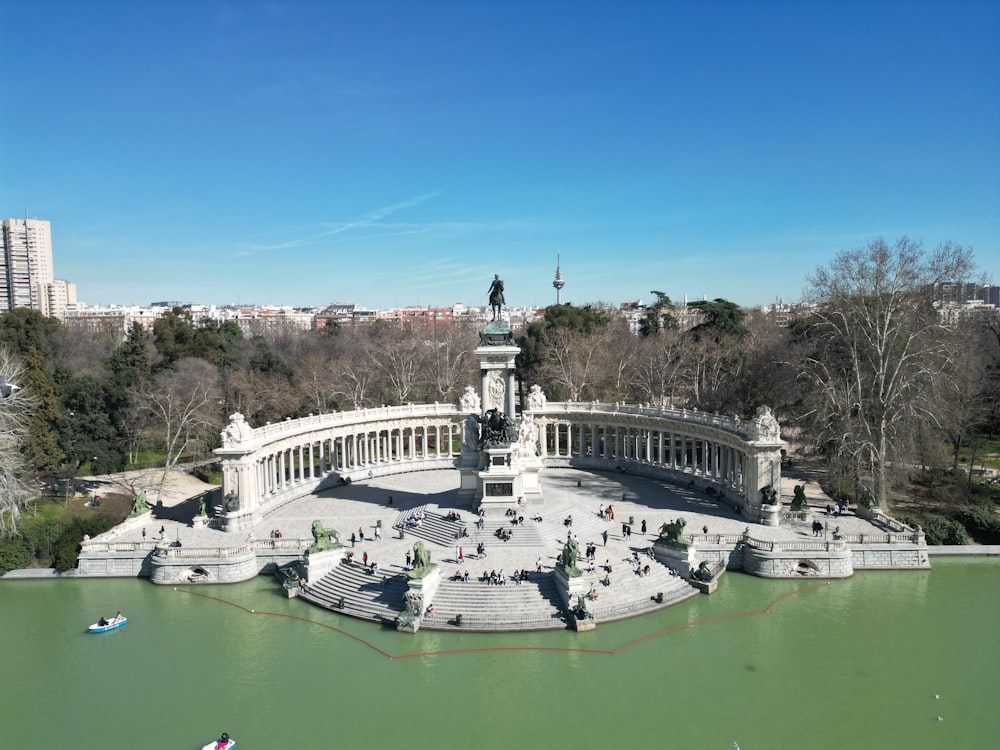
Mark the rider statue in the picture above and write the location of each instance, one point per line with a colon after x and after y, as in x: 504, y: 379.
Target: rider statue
x: 496, y: 296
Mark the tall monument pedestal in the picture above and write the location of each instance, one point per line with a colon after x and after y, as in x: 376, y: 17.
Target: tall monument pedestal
x: 499, y: 482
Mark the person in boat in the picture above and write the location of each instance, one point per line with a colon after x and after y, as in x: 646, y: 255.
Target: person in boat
x: 118, y: 617
x: 103, y: 621
x: 223, y: 740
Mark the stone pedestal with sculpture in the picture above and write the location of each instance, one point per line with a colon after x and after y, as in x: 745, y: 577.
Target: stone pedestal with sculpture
x: 673, y: 550
x: 573, y: 588
x: 500, y: 464
x: 239, y: 509
x: 762, y: 498
x: 424, y: 579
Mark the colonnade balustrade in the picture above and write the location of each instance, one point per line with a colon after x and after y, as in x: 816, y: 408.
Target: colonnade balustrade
x: 726, y: 455
x: 267, y: 467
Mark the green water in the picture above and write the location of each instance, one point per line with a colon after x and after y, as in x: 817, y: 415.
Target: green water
x: 852, y: 664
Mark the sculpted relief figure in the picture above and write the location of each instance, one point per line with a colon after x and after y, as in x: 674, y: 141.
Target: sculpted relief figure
x: 469, y: 400
x: 497, y: 389
x: 536, y: 398
x: 526, y: 436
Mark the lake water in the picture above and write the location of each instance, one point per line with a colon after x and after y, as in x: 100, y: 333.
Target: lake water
x: 847, y: 664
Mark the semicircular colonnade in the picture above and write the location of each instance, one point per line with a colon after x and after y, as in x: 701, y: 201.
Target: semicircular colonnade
x: 267, y: 467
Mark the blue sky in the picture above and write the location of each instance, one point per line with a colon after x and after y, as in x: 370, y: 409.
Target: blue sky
x: 398, y: 153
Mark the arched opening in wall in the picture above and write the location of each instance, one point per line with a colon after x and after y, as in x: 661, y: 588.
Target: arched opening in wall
x: 807, y: 568
x: 197, y: 575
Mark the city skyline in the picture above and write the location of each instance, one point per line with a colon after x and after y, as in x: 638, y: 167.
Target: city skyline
x: 394, y: 154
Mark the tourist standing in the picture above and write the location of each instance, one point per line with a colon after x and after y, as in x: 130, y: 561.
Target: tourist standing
x: 604, y: 535
x: 378, y: 533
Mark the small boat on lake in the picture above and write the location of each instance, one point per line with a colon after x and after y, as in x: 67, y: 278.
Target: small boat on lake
x: 225, y: 742
x: 108, y: 623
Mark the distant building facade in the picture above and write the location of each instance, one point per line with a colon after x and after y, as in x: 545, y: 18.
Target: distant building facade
x: 26, y: 271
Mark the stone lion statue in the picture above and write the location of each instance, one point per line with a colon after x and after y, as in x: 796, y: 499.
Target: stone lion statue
x: 673, y: 531
x: 421, y: 561
x: 323, y: 539
x: 567, y: 560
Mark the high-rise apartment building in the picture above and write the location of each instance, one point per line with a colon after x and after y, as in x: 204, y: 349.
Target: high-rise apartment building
x: 26, y: 264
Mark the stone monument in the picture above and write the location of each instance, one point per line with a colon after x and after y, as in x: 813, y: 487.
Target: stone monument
x: 497, y: 452
x: 673, y: 550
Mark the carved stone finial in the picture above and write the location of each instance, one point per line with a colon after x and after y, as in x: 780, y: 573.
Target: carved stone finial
x: 236, y: 431
x: 764, y: 426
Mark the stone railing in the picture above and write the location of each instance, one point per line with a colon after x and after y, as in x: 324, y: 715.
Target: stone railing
x: 237, y: 551
x: 718, y: 421
x: 731, y: 539
x: 804, y: 545
x: 318, y: 422
x: 912, y: 537
x: 101, y: 546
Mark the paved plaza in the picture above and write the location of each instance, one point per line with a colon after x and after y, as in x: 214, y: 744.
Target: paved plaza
x: 364, y: 505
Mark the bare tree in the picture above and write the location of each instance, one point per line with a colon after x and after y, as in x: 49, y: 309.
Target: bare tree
x: 877, y: 349
x: 182, y: 405
x: 450, y: 364
x: 398, y: 356
x: 571, y: 361
x: 353, y: 371
x: 658, y: 368
x: 16, y: 486
x: 313, y: 372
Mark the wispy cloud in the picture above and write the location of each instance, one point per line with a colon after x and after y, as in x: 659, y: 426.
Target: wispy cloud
x: 372, y: 218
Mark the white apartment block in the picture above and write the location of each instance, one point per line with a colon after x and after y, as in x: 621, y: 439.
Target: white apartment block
x: 58, y: 298
x: 25, y: 264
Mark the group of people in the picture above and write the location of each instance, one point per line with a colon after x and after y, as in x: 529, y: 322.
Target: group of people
x: 495, y: 578
x: 359, y: 535
x: 416, y: 520
x: 608, y: 514
x: 276, y: 533
x: 503, y: 534
x: 637, y: 567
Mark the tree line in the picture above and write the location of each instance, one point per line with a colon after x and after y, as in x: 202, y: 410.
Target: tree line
x: 874, y: 382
